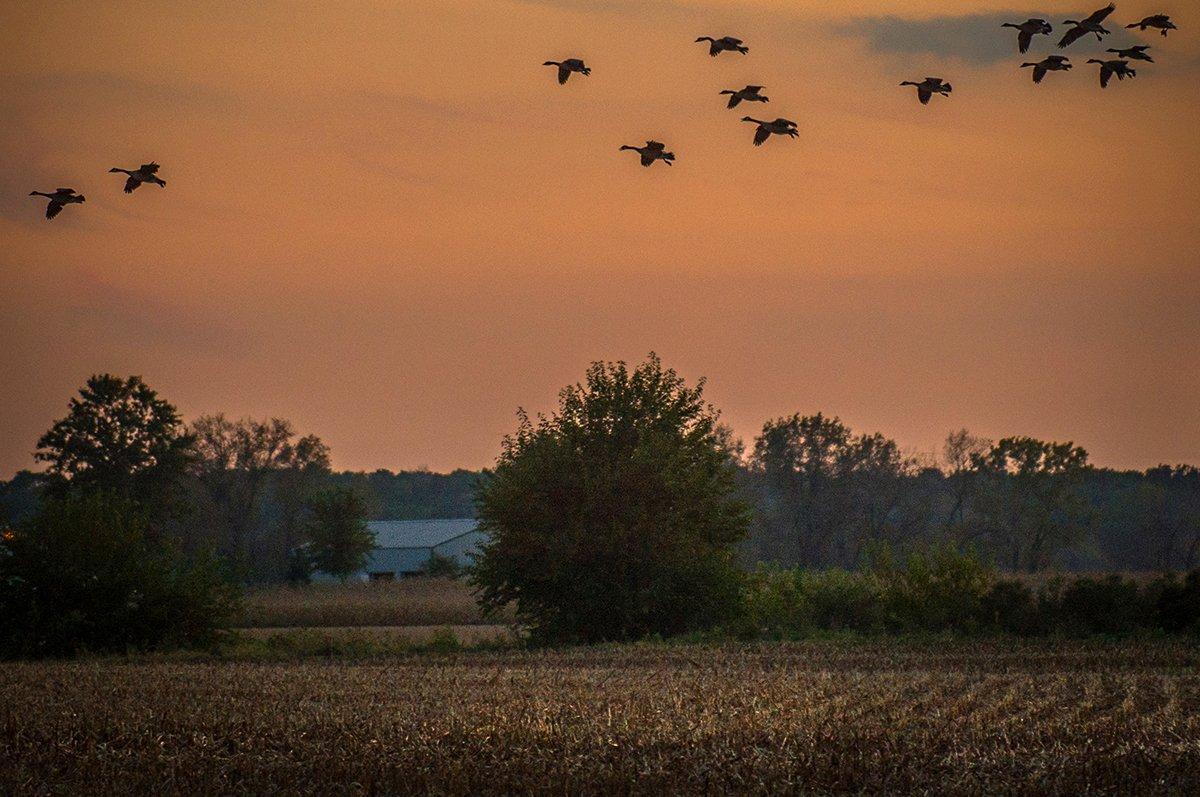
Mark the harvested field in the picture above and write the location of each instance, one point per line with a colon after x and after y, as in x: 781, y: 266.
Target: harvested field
x: 827, y: 716
x: 412, y: 601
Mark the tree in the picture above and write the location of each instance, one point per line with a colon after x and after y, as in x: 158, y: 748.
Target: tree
x: 256, y: 479
x: 616, y: 516
x: 85, y: 574
x: 1028, y: 499
x: 119, y: 437
x: 339, y: 540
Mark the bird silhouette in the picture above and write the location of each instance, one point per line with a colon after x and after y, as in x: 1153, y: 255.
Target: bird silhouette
x: 1027, y: 30
x: 143, y: 174
x: 748, y: 94
x: 1114, y: 67
x: 565, y: 68
x: 1135, y: 53
x: 930, y: 86
x: 778, y: 127
x: 1089, y: 25
x: 1051, y: 63
x: 59, y: 199
x: 1161, y: 21
x: 653, y: 151
x: 718, y: 46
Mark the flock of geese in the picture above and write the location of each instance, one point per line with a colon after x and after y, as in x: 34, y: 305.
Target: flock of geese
x: 657, y: 151
x: 1119, y: 67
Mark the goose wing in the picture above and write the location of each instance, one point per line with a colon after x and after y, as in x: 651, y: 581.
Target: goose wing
x: 732, y: 42
x: 923, y: 94
x: 734, y: 99
x: 1073, y: 35
x: 564, y: 72
x: 131, y: 184
x: 1024, y: 39
x: 1102, y: 14
x: 655, y: 146
x: 648, y: 158
x: 761, y: 135
x: 64, y: 191
x: 1039, y: 72
x: 53, y: 209
x: 1106, y: 73
x: 149, y: 168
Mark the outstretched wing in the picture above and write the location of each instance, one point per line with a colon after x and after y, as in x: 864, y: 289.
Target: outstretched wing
x: 1102, y: 14
x: 1024, y: 39
x: 1039, y: 72
x: 734, y: 99
x: 149, y: 168
x: 715, y: 49
x: 656, y: 146
x: 923, y: 94
x: 761, y: 135
x: 1106, y: 74
x: 564, y: 72
x: 1073, y: 35
x: 64, y: 191
x: 731, y: 41
x: 754, y: 89
x: 648, y: 158
x: 131, y: 184
x: 53, y: 209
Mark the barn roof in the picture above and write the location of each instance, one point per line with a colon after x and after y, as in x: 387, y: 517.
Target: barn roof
x: 418, y: 533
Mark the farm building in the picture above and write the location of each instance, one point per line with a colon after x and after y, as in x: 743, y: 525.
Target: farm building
x: 404, y: 547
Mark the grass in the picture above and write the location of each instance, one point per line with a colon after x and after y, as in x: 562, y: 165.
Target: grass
x: 895, y: 715
x: 408, y: 602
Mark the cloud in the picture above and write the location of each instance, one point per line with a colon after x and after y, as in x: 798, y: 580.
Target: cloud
x: 975, y: 38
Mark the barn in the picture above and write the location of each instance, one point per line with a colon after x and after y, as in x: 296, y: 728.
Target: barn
x: 404, y: 547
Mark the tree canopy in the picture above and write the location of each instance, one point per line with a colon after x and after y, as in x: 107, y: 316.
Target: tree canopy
x: 616, y: 516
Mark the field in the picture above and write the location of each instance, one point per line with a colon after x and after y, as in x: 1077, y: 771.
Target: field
x: 826, y: 716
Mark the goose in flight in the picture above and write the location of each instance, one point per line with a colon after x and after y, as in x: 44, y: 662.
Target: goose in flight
x: 1051, y: 63
x: 1027, y: 30
x: 59, y: 199
x: 1089, y: 25
x: 565, y: 68
x: 1135, y: 53
x: 779, y: 127
x: 1109, y: 68
x: 749, y: 94
x: 717, y: 46
x: 930, y: 86
x: 1160, y: 21
x: 143, y: 174
x: 653, y: 151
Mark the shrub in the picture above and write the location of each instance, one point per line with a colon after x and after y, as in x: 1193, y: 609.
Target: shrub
x: 1009, y: 606
x: 1177, y: 606
x: 440, y: 566
x: 84, y: 575
x: 937, y: 589
x: 838, y: 599
x: 1109, y: 606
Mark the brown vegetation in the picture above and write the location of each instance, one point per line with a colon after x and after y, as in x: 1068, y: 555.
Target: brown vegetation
x: 879, y: 715
x: 411, y: 601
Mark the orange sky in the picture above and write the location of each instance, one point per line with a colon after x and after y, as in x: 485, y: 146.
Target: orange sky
x: 387, y: 222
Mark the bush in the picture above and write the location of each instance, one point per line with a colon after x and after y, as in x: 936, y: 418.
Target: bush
x: 838, y: 599
x: 1009, y: 606
x: 440, y: 566
x: 84, y: 575
x: 1177, y: 606
x: 937, y: 590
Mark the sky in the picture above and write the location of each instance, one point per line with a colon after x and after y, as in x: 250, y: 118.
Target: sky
x: 388, y: 223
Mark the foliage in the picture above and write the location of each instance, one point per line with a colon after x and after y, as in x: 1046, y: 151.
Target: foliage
x: 84, y: 574
x: 616, y: 516
x: 118, y: 437
x: 339, y: 540
x: 440, y: 566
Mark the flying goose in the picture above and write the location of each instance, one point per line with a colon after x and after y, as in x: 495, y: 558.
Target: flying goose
x: 930, y: 86
x: 565, y: 68
x: 653, y: 151
x: 749, y: 94
x: 779, y: 127
x: 143, y: 174
x: 1109, y: 68
x: 717, y: 46
x: 1135, y: 53
x: 1028, y: 29
x: 59, y: 199
x: 1160, y: 21
x: 1089, y: 25
x: 1051, y: 63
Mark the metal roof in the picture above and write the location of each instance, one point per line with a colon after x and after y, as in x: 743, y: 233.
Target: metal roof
x: 418, y: 533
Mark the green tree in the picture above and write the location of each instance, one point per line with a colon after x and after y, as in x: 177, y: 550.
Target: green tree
x: 339, y: 540
x: 84, y: 574
x: 616, y: 516
x: 118, y: 437
x: 1028, y: 499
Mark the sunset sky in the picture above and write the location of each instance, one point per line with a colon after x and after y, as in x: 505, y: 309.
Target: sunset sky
x: 386, y: 221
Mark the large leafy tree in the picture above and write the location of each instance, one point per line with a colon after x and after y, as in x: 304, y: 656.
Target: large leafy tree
x: 120, y: 438
x: 1029, y: 499
x: 616, y: 516
x: 339, y: 540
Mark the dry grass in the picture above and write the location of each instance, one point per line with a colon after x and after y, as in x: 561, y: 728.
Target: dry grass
x: 823, y: 716
x: 413, y: 601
